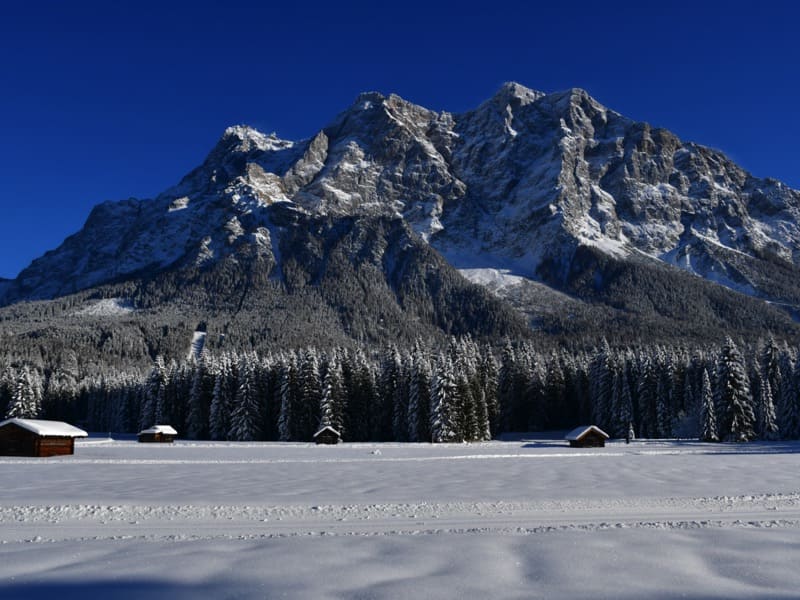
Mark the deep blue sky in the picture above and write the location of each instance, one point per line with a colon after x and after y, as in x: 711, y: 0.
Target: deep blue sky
x: 106, y: 100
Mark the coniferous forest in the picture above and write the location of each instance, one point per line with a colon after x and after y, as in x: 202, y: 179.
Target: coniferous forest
x: 461, y: 391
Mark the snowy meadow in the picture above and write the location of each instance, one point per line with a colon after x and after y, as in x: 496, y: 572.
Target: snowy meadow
x: 524, y: 518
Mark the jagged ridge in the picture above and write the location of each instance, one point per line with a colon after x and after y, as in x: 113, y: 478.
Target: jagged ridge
x: 517, y: 186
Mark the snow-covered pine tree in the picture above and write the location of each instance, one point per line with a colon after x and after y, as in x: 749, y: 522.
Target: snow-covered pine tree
x: 419, y: 399
x: 413, y: 416
x: 789, y: 415
x: 361, y: 412
x: 488, y: 370
x: 338, y: 393
x: 765, y: 412
x: 507, y: 375
x: 647, y: 390
x: 200, y: 396
x: 157, y: 386
x: 663, y: 411
x: 733, y: 395
x: 389, y: 380
x: 464, y: 409
x: 555, y: 403
x: 400, y: 400
x: 306, y: 417
x: 624, y: 405
x: 6, y: 385
x: 130, y: 408
x: 285, y: 391
x: 326, y: 406
x: 23, y: 404
x: 37, y: 386
x: 708, y: 413
x: 484, y: 426
x: 331, y: 401
x: 602, y: 380
x: 771, y: 366
x: 443, y: 390
x: 246, y: 418
x: 689, y: 396
x: 534, y: 402
x: 219, y: 412
x: 153, y: 393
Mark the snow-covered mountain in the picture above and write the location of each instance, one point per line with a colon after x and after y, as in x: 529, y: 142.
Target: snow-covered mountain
x: 528, y: 187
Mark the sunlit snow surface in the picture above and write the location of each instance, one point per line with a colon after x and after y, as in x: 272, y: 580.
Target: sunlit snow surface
x: 527, y: 518
x: 108, y: 307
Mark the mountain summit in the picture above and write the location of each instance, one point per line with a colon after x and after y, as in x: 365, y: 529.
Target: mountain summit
x: 534, y: 195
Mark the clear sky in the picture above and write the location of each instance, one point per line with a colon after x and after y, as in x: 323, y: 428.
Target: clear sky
x: 107, y: 100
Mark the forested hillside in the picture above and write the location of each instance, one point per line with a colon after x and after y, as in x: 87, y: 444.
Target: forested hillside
x: 463, y: 391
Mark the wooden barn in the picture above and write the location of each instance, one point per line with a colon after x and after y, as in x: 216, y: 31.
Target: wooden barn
x: 327, y: 435
x: 158, y: 434
x: 587, y: 436
x: 34, y: 437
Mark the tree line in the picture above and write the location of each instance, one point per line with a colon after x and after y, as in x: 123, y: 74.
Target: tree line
x: 462, y: 391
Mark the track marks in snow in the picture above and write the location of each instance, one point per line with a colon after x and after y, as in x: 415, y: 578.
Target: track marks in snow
x: 191, y: 522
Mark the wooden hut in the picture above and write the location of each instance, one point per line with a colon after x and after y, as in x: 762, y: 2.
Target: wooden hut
x: 34, y: 437
x: 587, y: 436
x: 327, y: 435
x: 158, y: 434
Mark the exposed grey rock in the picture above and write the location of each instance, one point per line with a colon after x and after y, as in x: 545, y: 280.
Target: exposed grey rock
x: 518, y: 184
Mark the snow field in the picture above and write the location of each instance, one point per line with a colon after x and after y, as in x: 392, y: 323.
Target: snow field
x: 519, y: 519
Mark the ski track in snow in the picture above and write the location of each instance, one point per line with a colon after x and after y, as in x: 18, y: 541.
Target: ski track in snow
x: 34, y: 521
x: 509, y: 519
x: 40, y: 524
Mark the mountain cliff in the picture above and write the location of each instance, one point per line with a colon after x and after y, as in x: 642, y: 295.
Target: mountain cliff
x: 554, y: 203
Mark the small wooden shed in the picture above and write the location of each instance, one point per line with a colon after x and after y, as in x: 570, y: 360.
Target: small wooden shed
x: 587, y: 436
x: 327, y: 435
x: 158, y: 434
x: 35, y: 437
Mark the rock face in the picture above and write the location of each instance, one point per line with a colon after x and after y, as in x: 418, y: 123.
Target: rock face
x: 522, y: 187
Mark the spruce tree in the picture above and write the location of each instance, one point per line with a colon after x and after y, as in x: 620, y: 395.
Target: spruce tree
x: 246, y: 419
x: 489, y: 371
x: 708, y: 414
x: 285, y: 389
x: 647, y: 391
x: 506, y: 378
x: 331, y: 401
x: 23, y: 403
x: 624, y: 405
x: 200, y: 395
x: 419, y: 400
x: 602, y: 377
x: 765, y: 413
x: 789, y: 415
x: 733, y: 395
x: 771, y: 366
x: 443, y: 391
x: 154, y: 391
x: 219, y: 412
x: 306, y: 417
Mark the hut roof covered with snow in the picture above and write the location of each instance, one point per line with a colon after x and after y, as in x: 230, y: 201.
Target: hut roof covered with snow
x: 587, y: 436
x: 327, y: 435
x: 160, y: 429
x: 35, y: 437
x: 41, y: 427
x: 164, y: 434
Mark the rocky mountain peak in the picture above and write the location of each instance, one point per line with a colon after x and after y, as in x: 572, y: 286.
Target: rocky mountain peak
x: 515, y: 94
x: 522, y: 181
x: 243, y: 138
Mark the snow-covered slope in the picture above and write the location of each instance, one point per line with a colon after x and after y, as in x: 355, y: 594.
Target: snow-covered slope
x: 196, y: 347
x: 515, y: 186
x: 498, y: 519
